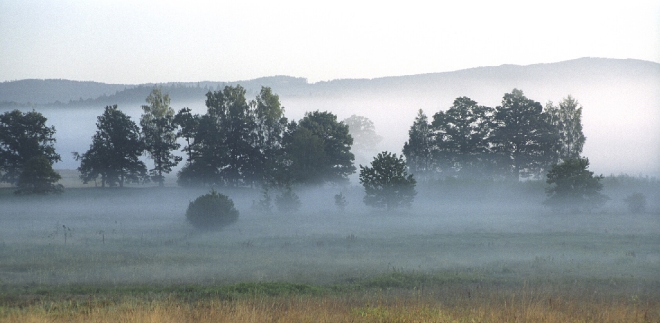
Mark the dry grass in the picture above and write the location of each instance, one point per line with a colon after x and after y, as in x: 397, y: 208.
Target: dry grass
x: 380, y: 306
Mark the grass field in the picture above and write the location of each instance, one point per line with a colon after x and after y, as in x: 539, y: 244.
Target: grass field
x: 93, y: 255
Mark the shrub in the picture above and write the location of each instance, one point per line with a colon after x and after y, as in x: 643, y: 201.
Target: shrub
x: 288, y: 201
x: 211, y: 211
x: 636, y: 203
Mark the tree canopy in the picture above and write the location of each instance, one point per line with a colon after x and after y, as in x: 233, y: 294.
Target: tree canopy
x: 419, y: 148
x: 523, y: 137
x: 574, y: 187
x: 363, y: 131
x: 114, y: 152
x: 317, y: 150
x: 24, y: 137
x: 27, y: 153
x: 567, y: 119
x: 463, y: 137
x: 236, y: 143
x: 387, y: 183
x: 159, y: 134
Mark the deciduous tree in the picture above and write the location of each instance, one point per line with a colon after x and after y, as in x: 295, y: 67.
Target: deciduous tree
x: 523, y: 137
x: 574, y: 187
x: 462, y: 139
x: 567, y: 119
x: 38, y: 177
x: 24, y: 138
x: 365, y: 138
x: 420, y: 147
x: 115, y: 151
x: 318, y: 149
x: 304, y: 158
x: 159, y: 133
x: 270, y: 126
x: 387, y: 183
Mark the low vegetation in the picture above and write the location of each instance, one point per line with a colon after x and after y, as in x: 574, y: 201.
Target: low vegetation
x: 211, y: 211
x: 392, y: 297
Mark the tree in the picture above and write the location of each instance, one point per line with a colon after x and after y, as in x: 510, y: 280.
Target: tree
x: 574, y: 186
x: 523, y: 138
x: 38, y: 177
x: 158, y: 130
x: 187, y: 123
x: 234, y: 144
x: 387, y: 183
x: 270, y: 126
x: 462, y: 138
x: 318, y: 150
x: 115, y: 151
x: 567, y: 119
x: 365, y: 138
x: 25, y: 138
x: 419, y: 147
x: 221, y: 143
x: 305, y: 158
x: 205, y: 150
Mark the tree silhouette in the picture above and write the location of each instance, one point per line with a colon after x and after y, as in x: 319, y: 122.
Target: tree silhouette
x: 574, y: 186
x: 115, y: 151
x: 387, y: 183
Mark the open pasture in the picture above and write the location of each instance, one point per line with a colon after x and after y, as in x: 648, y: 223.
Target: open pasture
x: 99, y: 255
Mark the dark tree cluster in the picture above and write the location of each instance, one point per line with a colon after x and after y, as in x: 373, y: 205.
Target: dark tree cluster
x: 518, y: 139
x: 235, y: 143
x: 241, y: 143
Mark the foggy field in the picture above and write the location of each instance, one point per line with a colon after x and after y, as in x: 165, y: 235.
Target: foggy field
x: 101, y: 255
x: 139, y: 235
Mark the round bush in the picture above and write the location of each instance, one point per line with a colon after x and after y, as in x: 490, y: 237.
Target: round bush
x: 211, y: 211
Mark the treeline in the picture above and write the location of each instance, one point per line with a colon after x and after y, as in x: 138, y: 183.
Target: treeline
x: 518, y: 139
x: 235, y: 143
x: 241, y: 142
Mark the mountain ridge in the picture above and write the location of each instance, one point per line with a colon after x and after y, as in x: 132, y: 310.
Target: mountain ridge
x: 62, y: 92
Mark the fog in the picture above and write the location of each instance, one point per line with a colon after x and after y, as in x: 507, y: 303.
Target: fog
x: 140, y: 235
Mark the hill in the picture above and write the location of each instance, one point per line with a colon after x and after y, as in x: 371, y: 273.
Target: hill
x: 581, y: 72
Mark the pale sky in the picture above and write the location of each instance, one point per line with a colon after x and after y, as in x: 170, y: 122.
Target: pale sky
x: 161, y: 41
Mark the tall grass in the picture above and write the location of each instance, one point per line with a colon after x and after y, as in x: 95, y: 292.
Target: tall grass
x: 402, y: 305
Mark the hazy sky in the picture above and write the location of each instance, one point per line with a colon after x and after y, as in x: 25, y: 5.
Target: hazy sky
x: 160, y: 41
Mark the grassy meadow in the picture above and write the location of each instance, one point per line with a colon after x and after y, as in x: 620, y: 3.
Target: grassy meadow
x: 465, y: 252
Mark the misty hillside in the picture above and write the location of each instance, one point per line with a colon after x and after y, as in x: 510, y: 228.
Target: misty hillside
x: 40, y: 92
x: 568, y: 74
x: 73, y: 93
